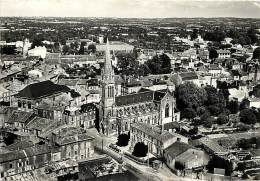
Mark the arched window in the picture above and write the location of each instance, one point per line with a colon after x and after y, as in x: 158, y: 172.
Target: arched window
x: 110, y: 91
x: 167, y: 110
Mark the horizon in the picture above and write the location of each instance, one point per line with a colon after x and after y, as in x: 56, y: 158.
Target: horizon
x: 127, y: 17
x: 139, y: 9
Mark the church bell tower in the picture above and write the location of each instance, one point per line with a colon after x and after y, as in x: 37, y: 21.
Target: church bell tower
x: 107, y: 94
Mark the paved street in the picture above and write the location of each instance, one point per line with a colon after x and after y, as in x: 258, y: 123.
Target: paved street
x: 142, y: 171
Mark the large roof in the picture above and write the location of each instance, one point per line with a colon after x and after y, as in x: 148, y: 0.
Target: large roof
x: 153, y: 131
x: 73, y: 139
x: 20, y: 116
x: 25, y: 153
x: 188, y: 76
x: 144, y: 95
x: 38, y: 123
x: 41, y: 89
x: 177, y: 148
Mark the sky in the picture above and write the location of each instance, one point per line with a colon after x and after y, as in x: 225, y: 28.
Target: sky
x: 131, y: 8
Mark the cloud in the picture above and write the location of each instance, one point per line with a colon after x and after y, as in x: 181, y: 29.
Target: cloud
x: 257, y: 4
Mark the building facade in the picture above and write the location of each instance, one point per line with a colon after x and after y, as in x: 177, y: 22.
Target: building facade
x: 117, y: 113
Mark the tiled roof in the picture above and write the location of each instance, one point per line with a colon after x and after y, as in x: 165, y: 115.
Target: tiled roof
x: 38, y: 123
x: 20, y: 116
x: 48, y: 106
x: 153, y: 131
x: 68, y: 82
x: 171, y: 125
x: 177, y: 148
x: 144, y: 95
x: 191, y: 155
x: 41, y: 89
x: 73, y: 139
x: 20, y: 145
x: 188, y: 76
x: 214, y: 67
x: 27, y: 152
x: 134, y: 98
x: 212, y: 145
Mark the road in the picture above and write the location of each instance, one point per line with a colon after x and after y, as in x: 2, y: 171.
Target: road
x: 141, y: 171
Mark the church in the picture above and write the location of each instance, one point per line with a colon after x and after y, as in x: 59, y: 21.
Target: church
x: 117, y: 113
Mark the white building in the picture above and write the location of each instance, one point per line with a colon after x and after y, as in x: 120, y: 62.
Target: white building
x: 223, y: 53
x: 115, y: 46
x: 35, y: 73
x: 38, y: 51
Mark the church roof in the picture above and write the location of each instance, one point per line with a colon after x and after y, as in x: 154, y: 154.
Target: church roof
x: 134, y: 98
x: 144, y: 95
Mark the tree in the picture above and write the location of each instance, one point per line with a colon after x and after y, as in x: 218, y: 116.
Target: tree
x: 256, y: 53
x: 190, y: 95
x: 176, y: 79
x: 140, y: 150
x: 56, y: 47
x: 166, y: 64
x: 244, y: 104
x: 247, y: 116
x: 122, y: 140
x: 244, y: 144
x: 222, y: 119
x: 251, y: 34
x: 82, y: 48
x: 188, y: 113
x: 213, y: 54
x: 126, y: 64
x: 214, y: 110
x: 65, y: 49
x: 233, y: 106
x: 216, y: 35
x: 8, y: 50
x: 241, y: 166
x: 209, y: 122
x: 37, y: 42
x: 10, y: 138
x: 159, y: 64
x: 194, y: 34
x: 257, y: 114
x: 143, y: 70
x: 212, y: 95
x: 92, y: 47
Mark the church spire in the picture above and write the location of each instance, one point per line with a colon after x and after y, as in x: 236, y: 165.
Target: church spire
x: 108, y: 64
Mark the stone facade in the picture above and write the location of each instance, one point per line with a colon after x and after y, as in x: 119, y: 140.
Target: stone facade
x: 117, y: 113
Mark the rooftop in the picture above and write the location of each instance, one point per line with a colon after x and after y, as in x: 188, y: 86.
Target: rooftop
x: 38, y: 123
x: 177, y: 148
x: 223, y: 51
x: 41, y: 89
x: 153, y: 131
x: 25, y: 153
x: 212, y: 145
x: 20, y: 116
x: 144, y: 95
x: 188, y: 76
